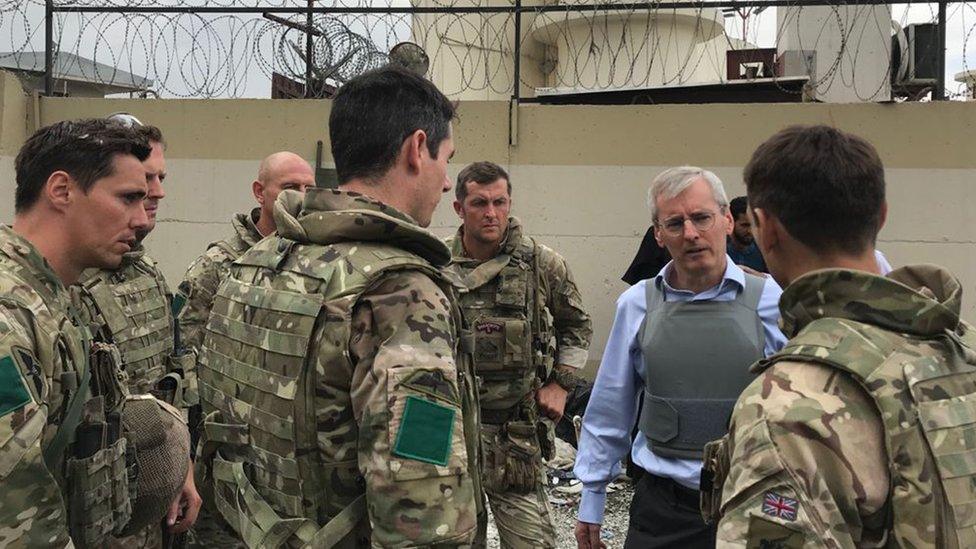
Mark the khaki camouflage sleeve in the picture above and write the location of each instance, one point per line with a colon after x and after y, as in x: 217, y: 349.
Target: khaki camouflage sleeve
x: 196, y: 293
x: 407, y: 403
x: 32, y: 513
x: 808, y: 464
x: 571, y: 323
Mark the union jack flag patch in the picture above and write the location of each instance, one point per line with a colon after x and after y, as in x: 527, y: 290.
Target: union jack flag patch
x: 778, y: 506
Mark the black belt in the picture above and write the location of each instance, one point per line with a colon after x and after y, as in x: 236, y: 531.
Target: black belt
x: 682, y: 494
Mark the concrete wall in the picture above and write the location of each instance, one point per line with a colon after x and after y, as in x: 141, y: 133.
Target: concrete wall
x: 580, y: 173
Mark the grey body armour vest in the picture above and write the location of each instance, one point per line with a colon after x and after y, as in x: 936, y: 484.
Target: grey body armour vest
x: 697, y: 356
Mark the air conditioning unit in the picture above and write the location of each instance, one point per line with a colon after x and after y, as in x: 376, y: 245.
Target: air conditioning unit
x: 915, y: 55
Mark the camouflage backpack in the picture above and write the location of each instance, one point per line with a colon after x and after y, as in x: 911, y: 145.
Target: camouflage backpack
x: 276, y: 481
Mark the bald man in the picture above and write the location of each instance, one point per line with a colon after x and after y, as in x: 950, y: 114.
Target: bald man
x: 280, y: 171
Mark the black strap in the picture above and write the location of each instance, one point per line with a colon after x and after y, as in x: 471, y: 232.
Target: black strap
x: 69, y: 422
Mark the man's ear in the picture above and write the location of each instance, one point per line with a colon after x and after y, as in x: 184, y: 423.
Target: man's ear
x: 59, y: 189
x: 766, y: 230
x: 412, y: 151
x: 884, y: 215
x: 257, y: 189
x: 729, y: 222
x: 658, y: 235
x: 459, y: 209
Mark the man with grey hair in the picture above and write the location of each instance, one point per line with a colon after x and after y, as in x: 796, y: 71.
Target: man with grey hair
x: 685, y: 340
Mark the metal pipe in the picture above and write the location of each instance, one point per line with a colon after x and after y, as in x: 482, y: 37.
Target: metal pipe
x: 939, y: 93
x: 309, y: 53
x: 517, y: 91
x: 292, y: 24
x: 683, y: 4
x: 48, y: 47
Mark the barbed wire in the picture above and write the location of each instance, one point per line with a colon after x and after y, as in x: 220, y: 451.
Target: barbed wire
x: 471, y: 55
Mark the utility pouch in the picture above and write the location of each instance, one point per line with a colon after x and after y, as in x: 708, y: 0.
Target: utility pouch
x: 715, y: 469
x: 523, y: 457
x: 98, y: 497
x: 169, y: 389
x: 108, y: 377
x: 184, y: 365
x: 546, y: 432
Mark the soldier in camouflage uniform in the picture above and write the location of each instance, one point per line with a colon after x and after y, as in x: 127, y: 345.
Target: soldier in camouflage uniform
x: 79, y: 204
x: 130, y: 307
x: 519, y: 299
x: 859, y: 432
x: 279, y: 171
x: 339, y: 411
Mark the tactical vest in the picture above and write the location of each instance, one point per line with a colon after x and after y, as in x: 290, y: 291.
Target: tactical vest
x: 275, y: 482
x: 513, y: 349
x: 87, y: 453
x: 925, y: 391
x: 136, y: 316
x: 697, y: 356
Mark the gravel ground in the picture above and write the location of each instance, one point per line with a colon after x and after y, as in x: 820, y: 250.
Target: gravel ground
x: 564, y: 510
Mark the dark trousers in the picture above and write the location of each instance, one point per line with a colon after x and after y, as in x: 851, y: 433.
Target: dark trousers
x: 665, y: 514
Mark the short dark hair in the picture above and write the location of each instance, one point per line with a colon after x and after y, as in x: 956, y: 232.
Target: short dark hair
x: 84, y: 149
x: 826, y: 186
x: 738, y: 206
x: 375, y: 112
x: 152, y: 135
x: 482, y: 173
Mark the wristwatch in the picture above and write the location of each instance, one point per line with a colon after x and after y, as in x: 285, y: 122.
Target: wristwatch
x: 564, y: 378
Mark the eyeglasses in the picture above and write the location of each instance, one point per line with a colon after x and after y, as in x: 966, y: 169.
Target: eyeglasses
x: 702, y: 221
x: 125, y: 119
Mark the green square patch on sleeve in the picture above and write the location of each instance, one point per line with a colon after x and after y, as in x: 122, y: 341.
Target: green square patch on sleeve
x: 426, y: 431
x: 13, y: 392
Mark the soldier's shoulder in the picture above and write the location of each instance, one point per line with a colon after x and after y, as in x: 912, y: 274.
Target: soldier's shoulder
x: 212, y: 259
x: 549, y: 259
x: 412, y: 288
x: 796, y: 391
x: 16, y: 291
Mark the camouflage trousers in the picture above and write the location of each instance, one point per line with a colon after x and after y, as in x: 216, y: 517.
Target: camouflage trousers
x: 524, y: 520
x: 150, y: 537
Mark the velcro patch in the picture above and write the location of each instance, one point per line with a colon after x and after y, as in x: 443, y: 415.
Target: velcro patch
x: 426, y: 431
x: 766, y: 534
x: 488, y: 327
x: 779, y: 506
x: 13, y: 392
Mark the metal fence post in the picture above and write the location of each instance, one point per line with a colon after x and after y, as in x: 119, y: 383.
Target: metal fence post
x: 308, y: 50
x: 48, y: 47
x: 939, y: 93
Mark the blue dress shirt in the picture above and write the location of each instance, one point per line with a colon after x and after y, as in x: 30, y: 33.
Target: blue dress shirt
x: 612, y: 410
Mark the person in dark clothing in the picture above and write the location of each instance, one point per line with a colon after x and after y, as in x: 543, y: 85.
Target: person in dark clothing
x: 740, y: 245
x: 650, y: 259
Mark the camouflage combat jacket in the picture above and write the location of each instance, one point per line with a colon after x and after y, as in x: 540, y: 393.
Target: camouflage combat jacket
x: 196, y: 292
x: 860, y: 431
x: 44, y: 378
x: 334, y: 399
x: 526, y: 314
x: 131, y: 307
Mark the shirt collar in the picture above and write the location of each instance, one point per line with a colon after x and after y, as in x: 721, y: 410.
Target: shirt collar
x: 733, y: 278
